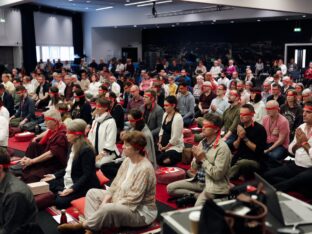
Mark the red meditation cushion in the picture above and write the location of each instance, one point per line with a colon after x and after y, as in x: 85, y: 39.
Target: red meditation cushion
x: 24, y: 136
x: 166, y: 175
x: 102, y: 178
x: 79, y: 204
x: 187, y: 132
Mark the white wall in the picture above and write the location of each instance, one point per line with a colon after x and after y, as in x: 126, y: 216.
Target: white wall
x: 139, y: 16
x: 11, y: 30
x: 53, y: 29
x: 107, y: 42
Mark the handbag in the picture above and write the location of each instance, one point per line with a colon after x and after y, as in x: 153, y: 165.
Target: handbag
x: 216, y: 220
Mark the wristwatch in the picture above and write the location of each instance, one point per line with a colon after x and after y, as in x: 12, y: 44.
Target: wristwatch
x: 245, y: 139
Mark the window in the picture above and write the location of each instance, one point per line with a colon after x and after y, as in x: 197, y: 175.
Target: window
x: 55, y: 52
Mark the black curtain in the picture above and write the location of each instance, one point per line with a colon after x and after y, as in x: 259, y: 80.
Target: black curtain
x: 77, y: 34
x: 28, y: 37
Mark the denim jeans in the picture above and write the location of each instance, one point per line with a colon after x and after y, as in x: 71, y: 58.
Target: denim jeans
x: 278, y: 153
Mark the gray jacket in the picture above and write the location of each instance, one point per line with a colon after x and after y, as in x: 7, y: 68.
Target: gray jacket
x: 154, y: 120
x: 12, y: 213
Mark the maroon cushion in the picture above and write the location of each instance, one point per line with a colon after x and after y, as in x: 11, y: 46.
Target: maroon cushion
x: 44, y: 200
x: 166, y: 175
x: 24, y: 136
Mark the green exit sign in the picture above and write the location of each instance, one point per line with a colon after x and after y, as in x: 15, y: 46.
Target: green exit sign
x: 297, y: 29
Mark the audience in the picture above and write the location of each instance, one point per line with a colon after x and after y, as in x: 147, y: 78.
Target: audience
x: 296, y: 175
x: 47, y: 152
x: 212, y: 159
x: 130, y: 200
x: 103, y: 133
x: 26, y: 109
x: 81, y: 109
x: 79, y: 176
x: 258, y: 105
x: 170, y: 143
x: 249, y: 144
x: 152, y: 112
x: 186, y: 104
x: 7, y: 99
x: 18, y: 209
x: 277, y: 129
x: 205, y: 99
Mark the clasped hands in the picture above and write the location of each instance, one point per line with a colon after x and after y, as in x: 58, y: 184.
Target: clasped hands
x: 199, y: 155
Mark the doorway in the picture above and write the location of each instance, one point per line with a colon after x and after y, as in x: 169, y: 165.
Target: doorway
x: 132, y: 53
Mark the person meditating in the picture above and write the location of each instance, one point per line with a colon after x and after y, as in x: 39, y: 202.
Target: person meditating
x: 47, y: 152
x: 130, y: 201
x: 79, y: 176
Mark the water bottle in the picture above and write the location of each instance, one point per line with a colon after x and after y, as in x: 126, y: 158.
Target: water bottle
x: 63, y: 217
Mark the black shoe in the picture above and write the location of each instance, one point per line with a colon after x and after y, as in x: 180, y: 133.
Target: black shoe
x: 187, y: 200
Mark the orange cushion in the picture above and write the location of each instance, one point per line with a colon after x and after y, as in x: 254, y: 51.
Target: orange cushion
x: 79, y: 204
x: 102, y: 178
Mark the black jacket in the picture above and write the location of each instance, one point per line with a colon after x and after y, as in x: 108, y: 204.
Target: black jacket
x: 83, y: 172
x: 8, y: 102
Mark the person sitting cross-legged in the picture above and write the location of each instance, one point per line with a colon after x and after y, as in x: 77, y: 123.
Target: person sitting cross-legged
x: 212, y: 159
x: 79, y: 175
x: 130, y: 200
x: 296, y: 175
x: 250, y: 144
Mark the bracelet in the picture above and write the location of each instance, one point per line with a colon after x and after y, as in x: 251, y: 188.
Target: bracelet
x: 245, y: 139
x: 304, y: 143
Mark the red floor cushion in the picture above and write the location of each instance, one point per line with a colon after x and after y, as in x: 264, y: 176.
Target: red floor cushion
x: 24, y: 136
x: 166, y: 175
x: 79, y: 204
x: 187, y: 132
x: 102, y: 178
x: 44, y: 200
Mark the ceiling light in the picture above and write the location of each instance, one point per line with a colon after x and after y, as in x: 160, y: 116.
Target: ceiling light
x: 304, y: 16
x: 137, y: 3
x: 104, y: 8
x: 88, y: 1
x: 134, y: 26
x: 87, y: 8
x: 258, y: 20
x: 214, y: 21
x: 232, y: 22
x: 70, y: 0
x: 151, y: 3
x: 173, y: 25
x: 2, y: 20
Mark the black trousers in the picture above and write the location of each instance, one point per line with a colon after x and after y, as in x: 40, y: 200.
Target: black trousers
x: 173, y: 155
x: 110, y: 170
x: 56, y: 186
x: 290, y: 177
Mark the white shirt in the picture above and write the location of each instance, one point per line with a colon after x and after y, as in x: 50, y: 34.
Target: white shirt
x: 302, y: 158
x: 120, y: 67
x: 260, y: 111
x: 61, y: 87
x: 30, y: 88
x: 215, y: 71
x: 68, y: 181
x: 224, y: 81
x: 4, y: 112
x: 4, y: 131
x: 115, y: 88
x: 283, y: 69
x: 94, y: 88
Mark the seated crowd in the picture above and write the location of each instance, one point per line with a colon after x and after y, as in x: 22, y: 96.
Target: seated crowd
x: 248, y: 126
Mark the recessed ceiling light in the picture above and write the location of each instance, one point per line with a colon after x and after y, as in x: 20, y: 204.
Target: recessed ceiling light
x: 173, y: 25
x: 88, y: 1
x: 258, y: 20
x: 104, y: 8
x: 70, y: 0
x: 134, y: 26
x: 286, y: 19
x: 304, y: 16
x: 87, y: 8
x: 232, y: 22
x: 214, y: 21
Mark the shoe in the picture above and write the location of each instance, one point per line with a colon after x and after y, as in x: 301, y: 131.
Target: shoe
x: 187, y: 200
x: 67, y: 227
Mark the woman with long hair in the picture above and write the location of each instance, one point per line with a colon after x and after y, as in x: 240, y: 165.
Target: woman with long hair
x: 130, y: 200
x: 79, y: 175
x: 258, y: 104
x: 170, y: 144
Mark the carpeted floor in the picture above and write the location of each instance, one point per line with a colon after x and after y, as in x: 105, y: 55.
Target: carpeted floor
x: 22, y: 146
